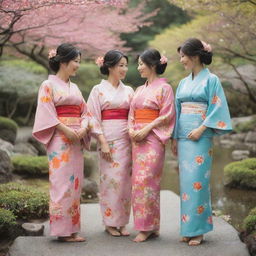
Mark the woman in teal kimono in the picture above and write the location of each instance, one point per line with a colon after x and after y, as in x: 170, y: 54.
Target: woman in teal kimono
x: 202, y: 112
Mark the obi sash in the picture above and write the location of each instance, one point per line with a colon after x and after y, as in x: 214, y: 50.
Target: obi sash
x: 145, y: 115
x: 68, y: 111
x: 119, y: 113
x: 193, y: 108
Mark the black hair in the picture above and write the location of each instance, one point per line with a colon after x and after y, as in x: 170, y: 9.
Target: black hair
x: 151, y: 57
x: 111, y: 58
x: 64, y: 54
x: 194, y: 47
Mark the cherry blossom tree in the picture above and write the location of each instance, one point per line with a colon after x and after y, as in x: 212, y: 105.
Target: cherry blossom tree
x: 32, y: 27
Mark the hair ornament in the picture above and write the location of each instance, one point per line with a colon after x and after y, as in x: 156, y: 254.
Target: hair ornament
x: 99, y: 61
x: 207, y: 47
x: 163, y: 60
x: 52, y: 53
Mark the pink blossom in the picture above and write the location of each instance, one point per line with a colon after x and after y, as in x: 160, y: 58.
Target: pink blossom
x: 207, y: 47
x: 163, y: 60
x: 99, y: 61
x: 52, y: 53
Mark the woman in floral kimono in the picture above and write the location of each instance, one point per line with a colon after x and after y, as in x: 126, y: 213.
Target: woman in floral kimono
x: 61, y: 124
x: 202, y: 112
x: 151, y: 122
x: 109, y: 102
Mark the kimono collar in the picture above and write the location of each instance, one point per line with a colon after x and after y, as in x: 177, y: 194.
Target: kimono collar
x: 157, y: 81
x: 203, y: 72
x: 56, y: 79
x: 106, y: 82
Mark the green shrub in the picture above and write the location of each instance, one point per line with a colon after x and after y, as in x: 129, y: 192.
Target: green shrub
x: 246, y: 126
x: 7, y: 219
x: 31, y: 165
x: 241, y: 173
x: 24, y: 202
x: 9, y: 124
x: 250, y: 221
x: 28, y: 65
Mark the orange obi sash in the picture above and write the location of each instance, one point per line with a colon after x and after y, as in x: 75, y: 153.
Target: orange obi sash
x: 145, y: 115
x: 68, y: 111
x: 108, y: 114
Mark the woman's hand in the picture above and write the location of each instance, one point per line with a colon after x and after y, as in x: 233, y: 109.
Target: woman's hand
x: 105, y: 150
x: 174, y: 147
x: 81, y: 132
x: 142, y: 133
x: 196, y: 133
x: 68, y: 132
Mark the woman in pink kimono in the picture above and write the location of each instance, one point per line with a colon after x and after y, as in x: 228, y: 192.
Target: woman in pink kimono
x: 109, y: 102
x: 151, y: 122
x: 61, y: 124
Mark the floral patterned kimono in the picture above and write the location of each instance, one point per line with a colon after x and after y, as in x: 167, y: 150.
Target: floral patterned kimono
x: 148, y: 154
x: 199, y: 101
x: 65, y: 158
x: 115, y: 177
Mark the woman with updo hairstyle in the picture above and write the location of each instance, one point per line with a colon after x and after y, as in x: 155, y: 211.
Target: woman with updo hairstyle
x: 201, y: 113
x: 151, y: 122
x: 109, y: 102
x: 61, y: 124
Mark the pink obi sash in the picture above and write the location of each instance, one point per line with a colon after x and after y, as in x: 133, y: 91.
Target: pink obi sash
x: 109, y: 114
x: 68, y: 111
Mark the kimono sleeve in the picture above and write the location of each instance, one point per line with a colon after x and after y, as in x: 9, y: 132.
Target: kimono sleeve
x: 217, y: 115
x: 164, y: 124
x: 131, y: 118
x: 46, y: 117
x: 94, y: 112
x: 177, y: 110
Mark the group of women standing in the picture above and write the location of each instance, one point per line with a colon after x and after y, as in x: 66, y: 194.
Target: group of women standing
x: 132, y: 130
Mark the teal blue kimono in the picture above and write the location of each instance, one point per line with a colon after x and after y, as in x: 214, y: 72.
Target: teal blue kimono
x: 199, y: 101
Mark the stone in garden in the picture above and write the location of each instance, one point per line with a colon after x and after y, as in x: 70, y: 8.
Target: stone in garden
x: 240, y: 154
x: 8, y: 135
x: 38, y: 146
x: 90, y: 189
x: 5, y: 167
x: 33, y: 229
x: 6, y: 146
x: 25, y: 149
x: 227, y: 143
x: 240, y: 137
x: 250, y: 137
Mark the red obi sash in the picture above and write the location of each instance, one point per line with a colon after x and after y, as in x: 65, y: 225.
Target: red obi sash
x: 145, y: 115
x: 68, y: 111
x: 109, y: 114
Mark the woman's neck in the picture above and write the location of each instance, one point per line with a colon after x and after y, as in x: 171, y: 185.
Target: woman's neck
x: 196, y: 70
x: 114, y: 81
x: 63, y: 76
x: 151, y: 78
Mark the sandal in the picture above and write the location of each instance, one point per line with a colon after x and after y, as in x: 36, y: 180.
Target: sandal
x: 123, y: 231
x: 145, y: 235
x: 195, y: 241
x: 113, y: 231
x: 185, y: 239
x: 71, y: 239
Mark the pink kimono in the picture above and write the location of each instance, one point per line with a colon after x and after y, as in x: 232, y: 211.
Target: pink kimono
x: 115, y: 177
x: 148, y: 155
x: 66, y: 160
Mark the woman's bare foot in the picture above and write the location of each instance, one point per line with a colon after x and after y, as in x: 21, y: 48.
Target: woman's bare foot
x: 123, y: 231
x: 112, y: 231
x: 185, y: 239
x: 194, y: 241
x: 144, y: 235
x: 72, y: 238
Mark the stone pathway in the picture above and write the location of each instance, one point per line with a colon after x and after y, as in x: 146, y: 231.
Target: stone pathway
x: 223, y: 241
